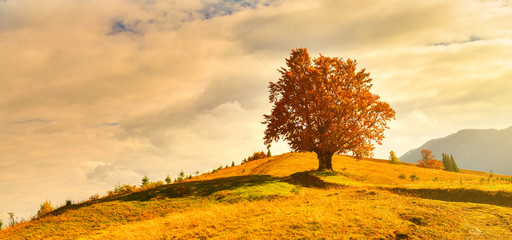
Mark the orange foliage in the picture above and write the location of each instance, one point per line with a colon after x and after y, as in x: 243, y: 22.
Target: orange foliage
x: 324, y: 105
x: 428, y: 160
x: 256, y: 156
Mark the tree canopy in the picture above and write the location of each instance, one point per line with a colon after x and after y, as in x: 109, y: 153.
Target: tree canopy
x: 324, y: 105
x: 428, y: 160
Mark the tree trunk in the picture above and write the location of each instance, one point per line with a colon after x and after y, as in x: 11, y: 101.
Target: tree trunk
x: 324, y: 161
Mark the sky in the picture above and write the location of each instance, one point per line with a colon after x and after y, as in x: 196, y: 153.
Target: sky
x: 95, y: 93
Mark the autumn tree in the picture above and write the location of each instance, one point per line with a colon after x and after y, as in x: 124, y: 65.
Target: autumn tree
x: 324, y: 105
x: 428, y: 160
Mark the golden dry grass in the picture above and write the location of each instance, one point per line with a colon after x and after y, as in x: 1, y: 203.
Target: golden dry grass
x: 258, y: 200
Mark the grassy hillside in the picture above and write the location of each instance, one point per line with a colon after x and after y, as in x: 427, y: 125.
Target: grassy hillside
x: 282, y: 198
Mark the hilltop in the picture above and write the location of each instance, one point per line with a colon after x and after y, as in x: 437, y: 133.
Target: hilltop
x: 476, y: 149
x: 281, y: 197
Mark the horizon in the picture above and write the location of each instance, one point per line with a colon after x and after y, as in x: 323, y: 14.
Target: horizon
x: 98, y: 93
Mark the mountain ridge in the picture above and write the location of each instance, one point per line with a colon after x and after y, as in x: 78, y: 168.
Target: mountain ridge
x: 474, y: 149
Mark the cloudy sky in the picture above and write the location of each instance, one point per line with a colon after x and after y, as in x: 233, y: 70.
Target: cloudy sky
x: 94, y: 93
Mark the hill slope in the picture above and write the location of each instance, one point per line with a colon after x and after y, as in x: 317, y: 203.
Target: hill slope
x: 281, y: 198
x: 476, y: 149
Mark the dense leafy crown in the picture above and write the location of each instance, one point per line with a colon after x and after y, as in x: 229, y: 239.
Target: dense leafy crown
x: 324, y: 105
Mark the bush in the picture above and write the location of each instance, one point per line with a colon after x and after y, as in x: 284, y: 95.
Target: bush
x: 255, y: 156
x: 94, y: 197
x: 45, y: 208
x: 155, y: 184
x: 69, y: 203
x: 125, y: 188
x: 1, y: 224
x: 435, y: 179
x: 402, y: 176
x: 413, y: 177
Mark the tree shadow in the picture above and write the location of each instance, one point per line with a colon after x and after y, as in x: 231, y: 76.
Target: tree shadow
x: 201, y: 188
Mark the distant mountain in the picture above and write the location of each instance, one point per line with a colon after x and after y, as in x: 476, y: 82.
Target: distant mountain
x: 474, y: 149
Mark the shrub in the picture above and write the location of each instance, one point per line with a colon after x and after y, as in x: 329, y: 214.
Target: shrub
x: 12, y: 220
x: 94, y: 197
x: 69, y: 203
x: 45, y: 208
x: 413, y: 177
x: 255, y: 156
x: 402, y: 176
x: 125, y: 188
x: 435, y: 179
x: 1, y: 224
x: 393, y: 158
x: 168, y: 179
x: 428, y: 160
x: 155, y: 184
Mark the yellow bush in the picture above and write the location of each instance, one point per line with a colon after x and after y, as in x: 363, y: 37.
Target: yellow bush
x: 45, y: 208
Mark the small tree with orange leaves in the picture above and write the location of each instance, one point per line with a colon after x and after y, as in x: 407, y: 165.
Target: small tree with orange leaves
x: 324, y: 105
x: 428, y: 160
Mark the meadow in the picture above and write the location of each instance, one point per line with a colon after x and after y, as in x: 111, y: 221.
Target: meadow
x: 282, y: 197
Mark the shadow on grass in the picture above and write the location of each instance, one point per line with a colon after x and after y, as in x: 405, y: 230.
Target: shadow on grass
x: 499, y: 198
x: 177, y: 190
x: 199, y: 188
x: 311, y: 179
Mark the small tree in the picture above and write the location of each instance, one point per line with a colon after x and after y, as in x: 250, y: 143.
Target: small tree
x: 232, y: 163
x: 393, y: 158
x: 45, y: 208
x: 455, y: 168
x: 145, y: 181
x: 269, y: 154
x: 1, y: 224
x: 168, y: 179
x: 180, y: 177
x: 447, y: 163
x: 428, y: 160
